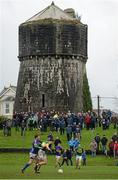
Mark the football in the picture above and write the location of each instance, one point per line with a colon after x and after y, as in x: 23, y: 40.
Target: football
x: 60, y: 170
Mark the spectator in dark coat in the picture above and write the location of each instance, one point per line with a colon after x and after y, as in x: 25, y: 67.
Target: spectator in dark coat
x: 23, y: 127
x: 62, y: 126
x: 8, y: 126
x: 69, y: 132
x: 69, y: 156
x: 111, y: 147
x: 97, y: 139
x: 65, y: 159
x: 93, y: 121
x: 115, y: 137
x: 104, y: 141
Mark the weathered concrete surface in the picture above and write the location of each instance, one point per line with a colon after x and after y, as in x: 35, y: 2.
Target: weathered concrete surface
x: 58, y: 80
x: 50, y: 37
x: 52, y: 55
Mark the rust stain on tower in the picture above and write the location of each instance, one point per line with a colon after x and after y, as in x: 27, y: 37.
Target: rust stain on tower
x: 52, y: 55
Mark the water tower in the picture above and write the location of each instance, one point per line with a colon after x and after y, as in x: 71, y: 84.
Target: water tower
x: 52, y: 55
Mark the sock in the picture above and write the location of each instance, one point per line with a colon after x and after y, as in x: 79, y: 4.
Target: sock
x: 38, y: 167
x: 59, y: 164
x: 26, y: 166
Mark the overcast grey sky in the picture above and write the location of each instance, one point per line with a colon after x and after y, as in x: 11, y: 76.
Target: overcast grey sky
x: 101, y: 16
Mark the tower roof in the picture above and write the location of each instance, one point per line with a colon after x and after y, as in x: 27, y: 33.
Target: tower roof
x: 52, y: 12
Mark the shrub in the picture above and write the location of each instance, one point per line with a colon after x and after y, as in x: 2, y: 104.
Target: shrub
x: 2, y: 119
x: 87, y: 101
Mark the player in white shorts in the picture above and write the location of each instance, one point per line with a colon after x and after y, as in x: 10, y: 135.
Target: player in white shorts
x: 41, y: 157
x: 78, y: 158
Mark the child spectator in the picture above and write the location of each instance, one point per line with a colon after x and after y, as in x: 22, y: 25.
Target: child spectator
x: 84, y: 157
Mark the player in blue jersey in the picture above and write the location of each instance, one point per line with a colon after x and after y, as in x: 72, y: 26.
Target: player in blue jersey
x: 58, y: 151
x: 36, y: 145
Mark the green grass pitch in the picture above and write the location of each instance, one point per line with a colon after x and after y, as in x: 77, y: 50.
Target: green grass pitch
x: 100, y: 167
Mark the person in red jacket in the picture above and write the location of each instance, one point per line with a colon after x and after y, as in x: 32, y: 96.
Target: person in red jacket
x: 111, y: 147
x: 87, y: 121
x: 115, y: 149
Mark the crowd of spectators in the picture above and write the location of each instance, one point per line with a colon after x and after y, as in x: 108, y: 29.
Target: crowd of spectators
x: 71, y: 123
x: 68, y: 123
x: 102, y: 144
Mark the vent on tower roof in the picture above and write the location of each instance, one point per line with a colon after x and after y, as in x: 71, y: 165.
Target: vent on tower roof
x: 70, y: 12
